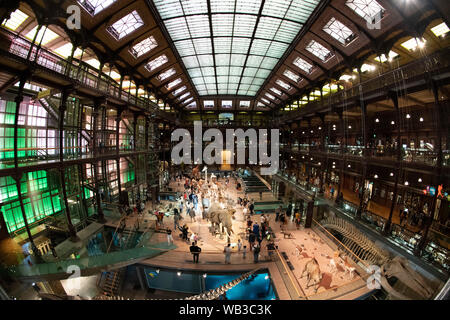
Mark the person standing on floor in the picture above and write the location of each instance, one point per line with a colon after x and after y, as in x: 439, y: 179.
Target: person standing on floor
x: 195, y: 250
x: 227, y: 252
x: 239, y: 245
x: 256, y: 229
x: 256, y: 250
x: 251, y: 240
x: 277, y: 213
x: 244, y: 252
x: 169, y: 237
x: 251, y: 207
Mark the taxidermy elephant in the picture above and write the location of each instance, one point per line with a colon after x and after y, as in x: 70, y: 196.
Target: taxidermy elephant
x: 218, y: 216
x: 312, y: 271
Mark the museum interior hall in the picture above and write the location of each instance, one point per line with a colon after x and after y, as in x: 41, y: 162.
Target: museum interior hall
x: 224, y: 150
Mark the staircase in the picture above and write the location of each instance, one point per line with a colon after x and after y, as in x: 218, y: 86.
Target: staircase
x: 112, y: 280
x: 49, y: 106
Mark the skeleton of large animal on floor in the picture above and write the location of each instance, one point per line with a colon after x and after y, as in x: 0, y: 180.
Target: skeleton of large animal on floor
x: 221, y: 216
x: 312, y: 272
x: 410, y: 284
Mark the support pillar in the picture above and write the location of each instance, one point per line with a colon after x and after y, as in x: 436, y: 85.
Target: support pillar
x: 62, y: 110
x: 388, y: 225
x: 440, y: 178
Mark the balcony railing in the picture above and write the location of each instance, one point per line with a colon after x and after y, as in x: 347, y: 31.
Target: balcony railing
x: 422, y: 68
x: 78, y: 70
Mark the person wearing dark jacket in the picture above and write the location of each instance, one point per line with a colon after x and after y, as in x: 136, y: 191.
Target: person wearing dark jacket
x: 195, y: 250
x: 251, y: 240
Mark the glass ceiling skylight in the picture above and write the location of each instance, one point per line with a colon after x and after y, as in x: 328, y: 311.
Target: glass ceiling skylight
x: 440, y: 30
x: 174, y: 83
x: 167, y: 74
x: 184, y: 96
x: 95, y: 6
x: 270, y: 96
x: 339, y: 31
x: 383, y: 58
x: 178, y: 91
x: 225, y: 47
x: 65, y: 51
x: 143, y: 47
x: 16, y: 20
x: 126, y: 25
x: 156, y: 63
x: 302, y: 64
x: 265, y: 100
x: 294, y: 77
x: 369, y: 10
x: 413, y: 43
x: 319, y: 50
x: 208, y: 104
x: 244, y: 104
x: 45, y: 34
x: 283, y: 84
x: 278, y: 92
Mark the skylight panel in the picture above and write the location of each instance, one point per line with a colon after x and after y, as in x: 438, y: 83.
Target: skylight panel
x: 267, y: 28
x: 369, y: 10
x: 194, y: 7
x: 192, y: 105
x: 244, y: 104
x: 302, y: 64
x: 126, y: 25
x: 45, y: 34
x: 276, y: 8
x: 95, y: 6
x: 367, y: 67
x: 185, y: 48
x: 156, y: 63
x: 248, y: 6
x: 261, y: 105
x: 227, y: 104
x: 413, y: 43
x: 65, y: 51
x: 143, y: 47
x: 188, y: 100
x: 222, y: 45
x: 206, y: 60
x: 319, y: 50
x: 184, y: 96
x: 288, y: 31
x: 244, y: 25
x: 300, y: 11
x: 173, y: 83
x: 294, y: 77
x: 383, y: 58
x: 270, y: 96
x: 167, y: 74
x: 265, y: 100
x: 16, y: 20
x: 202, y: 45
x: 169, y: 9
x: 197, y: 26
x: 278, y: 92
x: 191, y: 62
x: 283, y: 84
x: 222, y: 6
x: 178, y: 28
x: 339, y: 31
x: 440, y: 30
x: 208, y: 104
x: 222, y: 25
